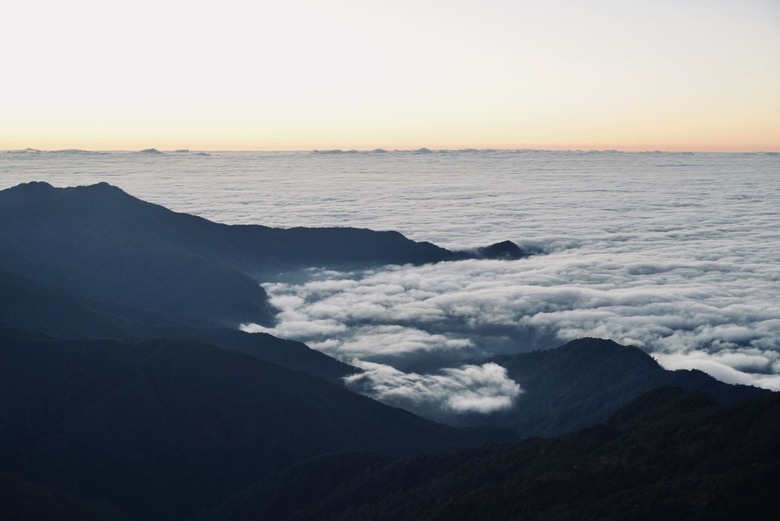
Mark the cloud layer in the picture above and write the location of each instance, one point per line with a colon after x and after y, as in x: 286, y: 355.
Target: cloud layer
x: 674, y: 252
x: 695, y: 314
x: 470, y: 388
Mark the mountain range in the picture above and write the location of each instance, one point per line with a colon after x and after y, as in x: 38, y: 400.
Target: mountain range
x: 163, y: 427
x: 668, y: 455
x: 130, y: 393
x: 107, y: 245
x: 584, y: 381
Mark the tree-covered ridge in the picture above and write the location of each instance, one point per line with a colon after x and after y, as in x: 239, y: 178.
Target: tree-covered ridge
x: 668, y: 455
x: 161, y: 428
x: 584, y: 381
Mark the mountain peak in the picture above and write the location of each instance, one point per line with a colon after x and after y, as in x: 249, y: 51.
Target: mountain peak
x: 504, y: 250
x: 590, y: 342
x: 32, y: 185
x: 102, y: 185
x: 98, y: 188
x: 40, y: 191
x: 601, y: 351
x: 586, y: 380
x: 102, y: 192
x: 105, y: 244
x: 25, y: 193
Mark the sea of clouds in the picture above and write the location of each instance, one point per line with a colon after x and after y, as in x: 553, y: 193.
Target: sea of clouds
x: 675, y: 253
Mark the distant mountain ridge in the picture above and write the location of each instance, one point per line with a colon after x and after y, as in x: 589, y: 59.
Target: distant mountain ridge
x: 583, y: 382
x: 102, y: 243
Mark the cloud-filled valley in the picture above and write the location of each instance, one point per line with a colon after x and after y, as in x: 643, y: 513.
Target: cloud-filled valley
x: 469, y: 388
x: 703, y: 315
x: 675, y: 253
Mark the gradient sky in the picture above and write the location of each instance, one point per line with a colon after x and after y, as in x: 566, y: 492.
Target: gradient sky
x: 302, y: 74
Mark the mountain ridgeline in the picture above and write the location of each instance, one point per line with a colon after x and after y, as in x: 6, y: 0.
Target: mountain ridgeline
x: 109, y: 246
x: 128, y: 393
x: 583, y: 382
x: 668, y: 455
x: 93, y: 261
x: 32, y: 305
x: 164, y: 427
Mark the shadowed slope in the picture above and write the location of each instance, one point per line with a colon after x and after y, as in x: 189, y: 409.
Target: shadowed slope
x: 102, y: 243
x: 584, y: 381
x: 25, y: 501
x: 162, y: 428
x: 27, y: 304
x: 669, y: 455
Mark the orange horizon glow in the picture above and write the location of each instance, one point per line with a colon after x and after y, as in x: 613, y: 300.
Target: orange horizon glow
x: 584, y: 148
x: 302, y: 75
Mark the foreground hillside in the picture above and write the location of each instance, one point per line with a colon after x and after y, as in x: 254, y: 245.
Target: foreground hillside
x: 161, y: 428
x: 668, y: 455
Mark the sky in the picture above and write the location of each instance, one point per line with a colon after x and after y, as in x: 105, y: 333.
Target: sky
x: 700, y: 75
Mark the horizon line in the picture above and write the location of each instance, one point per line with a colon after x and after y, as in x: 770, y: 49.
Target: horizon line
x: 423, y: 149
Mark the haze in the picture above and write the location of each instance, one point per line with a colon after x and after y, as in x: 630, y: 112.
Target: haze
x: 346, y: 74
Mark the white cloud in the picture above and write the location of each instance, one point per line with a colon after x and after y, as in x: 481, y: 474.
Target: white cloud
x: 730, y: 367
x: 466, y: 389
x: 689, y: 314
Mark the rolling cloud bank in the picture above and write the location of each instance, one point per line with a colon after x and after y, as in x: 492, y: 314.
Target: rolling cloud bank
x: 419, y: 331
x: 675, y: 253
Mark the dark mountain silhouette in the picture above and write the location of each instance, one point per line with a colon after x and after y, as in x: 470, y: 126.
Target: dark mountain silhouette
x: 27, y: 304
x: 506, y: 250
x: 25, y: 501
x: 102, y: 243
x: 163, y: 427
x: 584, y: 381
x: 667, y: 455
